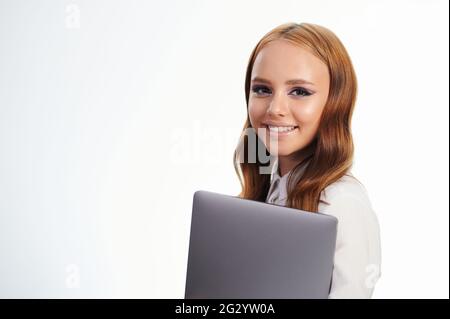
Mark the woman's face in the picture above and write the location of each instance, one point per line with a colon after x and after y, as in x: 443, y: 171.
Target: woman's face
x: 288, y: 110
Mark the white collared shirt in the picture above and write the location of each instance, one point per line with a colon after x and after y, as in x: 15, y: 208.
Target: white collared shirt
x: 357, y: 258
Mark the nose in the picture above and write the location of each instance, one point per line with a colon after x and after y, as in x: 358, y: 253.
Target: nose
x: 278, y: 106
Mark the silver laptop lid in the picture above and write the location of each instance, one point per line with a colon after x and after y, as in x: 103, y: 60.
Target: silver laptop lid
x: 248, y: 249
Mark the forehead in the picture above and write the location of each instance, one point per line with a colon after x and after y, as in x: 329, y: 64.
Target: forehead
x: 281, y: 60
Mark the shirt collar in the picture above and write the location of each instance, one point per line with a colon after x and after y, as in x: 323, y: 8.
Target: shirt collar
x: 279, y: 190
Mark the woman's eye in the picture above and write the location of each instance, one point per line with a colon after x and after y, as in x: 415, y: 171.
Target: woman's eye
x: 263, y: 90
x: 301, y: 92
x: 258, y: 89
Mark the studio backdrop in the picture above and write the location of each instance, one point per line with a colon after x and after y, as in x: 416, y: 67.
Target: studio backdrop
x: 113, y: 113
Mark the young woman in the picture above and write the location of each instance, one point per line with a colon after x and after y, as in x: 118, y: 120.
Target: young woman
x: 300, y: 91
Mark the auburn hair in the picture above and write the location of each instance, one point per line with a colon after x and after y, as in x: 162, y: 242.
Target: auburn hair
x: 333, y: 147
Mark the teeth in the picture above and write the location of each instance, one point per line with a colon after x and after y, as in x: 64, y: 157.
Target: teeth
x: 281, y: 128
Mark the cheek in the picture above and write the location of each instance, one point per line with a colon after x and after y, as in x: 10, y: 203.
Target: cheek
x: 256, y: 113
x: 308, y: 115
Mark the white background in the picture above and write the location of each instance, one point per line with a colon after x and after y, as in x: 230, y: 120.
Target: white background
x: 112, y: 113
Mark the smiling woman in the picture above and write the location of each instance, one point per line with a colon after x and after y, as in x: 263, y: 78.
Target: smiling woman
x: 300, y: 91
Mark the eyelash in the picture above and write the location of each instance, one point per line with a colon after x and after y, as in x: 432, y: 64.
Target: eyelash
x: 306, y: 92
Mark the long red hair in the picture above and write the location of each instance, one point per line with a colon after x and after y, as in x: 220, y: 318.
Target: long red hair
x: 333, y: 147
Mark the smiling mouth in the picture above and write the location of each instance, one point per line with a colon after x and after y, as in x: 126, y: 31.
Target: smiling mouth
x: 281, y: 129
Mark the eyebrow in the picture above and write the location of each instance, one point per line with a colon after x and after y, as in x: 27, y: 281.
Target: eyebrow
x: 289, y: 82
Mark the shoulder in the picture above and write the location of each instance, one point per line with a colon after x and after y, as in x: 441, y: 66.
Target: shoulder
x: 348, y: 200
x: 345, y: 188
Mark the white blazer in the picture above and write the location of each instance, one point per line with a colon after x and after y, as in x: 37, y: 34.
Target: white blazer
x: 357, y: 258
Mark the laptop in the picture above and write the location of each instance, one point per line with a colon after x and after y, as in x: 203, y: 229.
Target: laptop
x: 246, y: 249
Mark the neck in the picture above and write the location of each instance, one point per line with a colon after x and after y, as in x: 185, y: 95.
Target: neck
x: 288, y: 162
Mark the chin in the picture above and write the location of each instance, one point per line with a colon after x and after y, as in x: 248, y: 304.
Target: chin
x: 282, y: 152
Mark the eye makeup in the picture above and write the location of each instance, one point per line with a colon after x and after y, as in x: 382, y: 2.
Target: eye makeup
x: 302, y: 92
